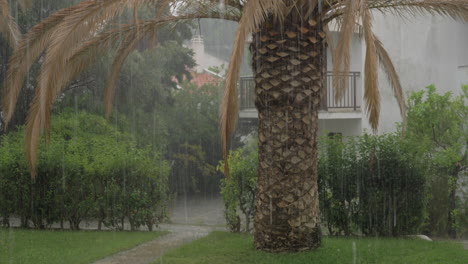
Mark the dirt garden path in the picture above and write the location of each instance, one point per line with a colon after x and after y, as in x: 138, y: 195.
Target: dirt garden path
x: 191, y: 218
x: 152, y: 252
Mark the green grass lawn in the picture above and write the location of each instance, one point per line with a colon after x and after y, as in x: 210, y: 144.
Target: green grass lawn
x: 70, y: 247
x: 226, y: 248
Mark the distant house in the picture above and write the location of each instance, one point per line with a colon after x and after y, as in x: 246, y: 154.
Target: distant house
x: 424, y: 50
x: 203, y: 59
x: 201, y: 74
x: 205, y: 78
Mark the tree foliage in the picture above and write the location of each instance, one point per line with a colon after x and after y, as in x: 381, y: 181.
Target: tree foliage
x: 438, y: 127
x: 194, y: 142
x: 371, y: 184
x: 238, y: 190
x: 89, y: 169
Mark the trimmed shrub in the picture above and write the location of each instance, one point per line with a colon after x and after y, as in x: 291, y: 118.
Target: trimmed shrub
x: 88, y: 170
x: 369, y: 184
x: 239, y: 190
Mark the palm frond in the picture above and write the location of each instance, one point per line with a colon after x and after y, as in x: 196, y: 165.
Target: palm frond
x: 371, y: 88
x: 254, y: 14
x: 330, y: 43
x: 8, y: 27
x: 26, y: 53
x: 32, y: 138
x: 126, y: 47
x: 305, y: 8
x: 455, y: 9
x: 25, y: 4
x: 343, y: 49
x: 77, y: 62
x: 60, y: 31
x: 392, y: 77
x: 85, y: 21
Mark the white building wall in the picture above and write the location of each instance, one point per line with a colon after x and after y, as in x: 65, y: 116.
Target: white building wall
x: 347, y: 127
x: 356, y: 62
x: 203, y: 59
x: 424, y: 50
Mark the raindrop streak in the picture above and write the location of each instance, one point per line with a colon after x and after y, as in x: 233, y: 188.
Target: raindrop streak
x: 271, y: 211
x: 354, y: 252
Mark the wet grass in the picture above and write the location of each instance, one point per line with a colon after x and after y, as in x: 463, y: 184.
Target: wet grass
x: 228, y: 248
x: 71, y: 247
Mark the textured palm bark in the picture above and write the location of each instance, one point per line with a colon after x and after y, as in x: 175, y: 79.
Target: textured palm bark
x: 288, y: 63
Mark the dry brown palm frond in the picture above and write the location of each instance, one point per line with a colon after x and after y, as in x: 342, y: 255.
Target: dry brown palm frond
x: 392, y: 77
x: 330, y: 42
x: 32, y: 138
x: 334, y: 9
x: 80, y: 60
x: 306, y: 7
x: 26, y: 53
x: 456, y: 9
x: 59, y: 46
x: 371, y: 88
x: 126, y: 47
x: 77, y: 64
x: 85, y: 21
x: 8, y: 27
x: 343, y: 49
x: 33, y: 45
x: 207, y: 7
x: 73, y: 28
x: 254, y: 14
x: 135, y: 17
x: 25, y: 4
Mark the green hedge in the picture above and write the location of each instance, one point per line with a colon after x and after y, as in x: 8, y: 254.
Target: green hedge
x: 368, y: 184
x: 371, y: 184
x: 88, y: 170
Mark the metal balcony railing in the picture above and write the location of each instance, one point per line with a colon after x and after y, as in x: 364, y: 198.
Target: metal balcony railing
x: 350, y: 99
x: 247, y: 93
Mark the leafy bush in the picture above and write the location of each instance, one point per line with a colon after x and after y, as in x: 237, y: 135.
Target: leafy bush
x: 239, y: 189
x: 371, y: 184
x: 88, y: 169
x: 338, y: 170
x: 438, y: 127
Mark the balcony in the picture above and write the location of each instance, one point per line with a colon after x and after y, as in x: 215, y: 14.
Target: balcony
x: 349, y: 107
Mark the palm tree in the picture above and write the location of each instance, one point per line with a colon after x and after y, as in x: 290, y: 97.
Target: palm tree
x: 289, y: 42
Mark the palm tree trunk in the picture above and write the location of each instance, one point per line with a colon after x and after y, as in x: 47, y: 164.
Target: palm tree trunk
x: 289, y: 66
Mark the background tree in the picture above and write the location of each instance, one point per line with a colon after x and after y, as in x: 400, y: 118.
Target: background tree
x: 239, y: 189
x: 439, y: 125
x: 194, y: 142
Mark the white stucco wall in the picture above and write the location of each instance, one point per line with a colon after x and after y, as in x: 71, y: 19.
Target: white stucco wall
x: 203, y: 59
x: 425, y: 50
x: 347, y: 127
x: 356, y: 61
